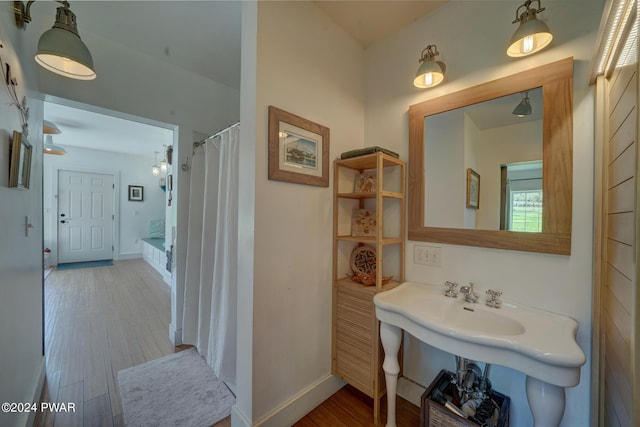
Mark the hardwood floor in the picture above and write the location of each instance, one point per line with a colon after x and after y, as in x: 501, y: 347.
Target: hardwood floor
x: 351, y: 408
x: 98, y: 321
x: 104, y: 319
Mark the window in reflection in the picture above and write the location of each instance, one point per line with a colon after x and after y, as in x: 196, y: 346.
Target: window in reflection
x: 521, y: 197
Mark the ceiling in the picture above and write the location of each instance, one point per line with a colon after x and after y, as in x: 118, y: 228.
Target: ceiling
x: 202, y: 37
x: 498, y: 112
x: 86, y: 129
x: 372, y: 21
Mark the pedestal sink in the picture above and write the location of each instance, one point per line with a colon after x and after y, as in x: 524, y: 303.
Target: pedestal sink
x: 538, y: 343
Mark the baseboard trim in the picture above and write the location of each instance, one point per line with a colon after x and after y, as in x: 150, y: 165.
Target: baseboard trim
x: 302, y: 403
x: 238, y: 419
x: 129, y: 255
x: 175, y: 335
x: 410, y: 390
x: 37, y: 392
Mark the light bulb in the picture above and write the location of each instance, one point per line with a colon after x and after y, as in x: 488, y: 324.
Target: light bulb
x: 528, y: 44
x: 428, y: 79
x: 163, y: 166
x: 155, y: 170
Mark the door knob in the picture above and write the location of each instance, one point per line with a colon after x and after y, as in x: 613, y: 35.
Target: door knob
x: 63, y: 222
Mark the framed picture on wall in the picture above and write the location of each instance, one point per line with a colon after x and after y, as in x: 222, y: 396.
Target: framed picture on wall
x: 298, y: 149
x: 473, y: 189
x: 20, y: 162
x: 136, y: 193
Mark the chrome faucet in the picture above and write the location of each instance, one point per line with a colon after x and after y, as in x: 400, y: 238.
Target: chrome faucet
x: 451, y: 289
x: 492, y: 299
x: 469, y: 294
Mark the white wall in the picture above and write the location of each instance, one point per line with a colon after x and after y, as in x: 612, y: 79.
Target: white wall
x: 445, y: 186
x: 309, y: 67
x: 471, y: 136
x: 242, y: 411
x: 132, y: 218
x: 135, y: 83
x: 21, y: 359
x: 557, y: 283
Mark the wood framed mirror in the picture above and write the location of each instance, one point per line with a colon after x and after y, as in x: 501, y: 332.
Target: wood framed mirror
x: 554, y: 236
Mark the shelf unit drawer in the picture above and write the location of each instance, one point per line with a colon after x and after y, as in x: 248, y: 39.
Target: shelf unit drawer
x: 354, y: 366
x: 354, y: 334
x: 356, y: 311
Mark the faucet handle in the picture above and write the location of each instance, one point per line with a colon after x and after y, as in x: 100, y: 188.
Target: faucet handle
x: 492, y: 299
x: 451, y: 289
x: 470, y: 294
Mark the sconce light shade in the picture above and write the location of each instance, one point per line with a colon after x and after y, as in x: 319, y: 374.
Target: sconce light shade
x: 163, y: 163
x: 532, y: 34
x: 155, y: 170
x: 431, y: 72
x: 50, y: 148
x: 61, y: 50
x: 524, y: 107
x: 50, y: 128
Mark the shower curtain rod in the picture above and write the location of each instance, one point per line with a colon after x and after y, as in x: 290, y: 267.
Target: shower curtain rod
x: 196, y: 144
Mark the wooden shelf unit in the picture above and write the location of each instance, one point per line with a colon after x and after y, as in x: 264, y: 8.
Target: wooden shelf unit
x: 357, y: 353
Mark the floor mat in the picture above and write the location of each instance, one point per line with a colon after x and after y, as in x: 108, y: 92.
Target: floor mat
x: 88, y: 264
x: 176, y: 390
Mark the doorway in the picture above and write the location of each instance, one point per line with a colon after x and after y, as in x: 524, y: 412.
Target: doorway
x: 124, y: 147
x: 99, y: 143
x: 85, y: 216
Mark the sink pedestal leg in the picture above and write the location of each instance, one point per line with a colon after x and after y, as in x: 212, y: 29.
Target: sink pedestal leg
x: 391, y: 337
x: 546, y: 402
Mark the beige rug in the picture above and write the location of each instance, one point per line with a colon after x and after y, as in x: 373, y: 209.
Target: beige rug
x: 176, y: 390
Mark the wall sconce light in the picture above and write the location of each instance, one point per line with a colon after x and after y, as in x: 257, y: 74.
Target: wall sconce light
x: 163, y: 162
x: 155, y: 170
x: 524, y: 107
x: 60, y: 49
x: 532, y: 35
x: 50, y: 148
x: 50, y: 128
x: 431, y: 72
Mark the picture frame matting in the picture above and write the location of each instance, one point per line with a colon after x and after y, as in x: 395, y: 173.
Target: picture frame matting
x: 136, y: 193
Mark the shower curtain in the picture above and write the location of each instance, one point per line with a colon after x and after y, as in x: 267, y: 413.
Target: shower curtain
x: 210, y: 291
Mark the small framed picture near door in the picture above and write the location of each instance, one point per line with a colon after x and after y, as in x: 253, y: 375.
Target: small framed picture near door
x: 136, y: 193
x: 473, y: 189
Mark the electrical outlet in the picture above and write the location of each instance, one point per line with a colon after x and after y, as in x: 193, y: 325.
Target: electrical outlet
x: 427, y: 255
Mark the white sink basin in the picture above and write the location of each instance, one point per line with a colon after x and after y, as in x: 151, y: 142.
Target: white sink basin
x: 537, y: 342
x: 477, y: 320
x: 457, y: 316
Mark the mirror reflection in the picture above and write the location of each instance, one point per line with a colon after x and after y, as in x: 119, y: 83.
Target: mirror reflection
x: 491, y: 151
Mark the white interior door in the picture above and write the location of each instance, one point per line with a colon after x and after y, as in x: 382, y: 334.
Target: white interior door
x: 85, y: 216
